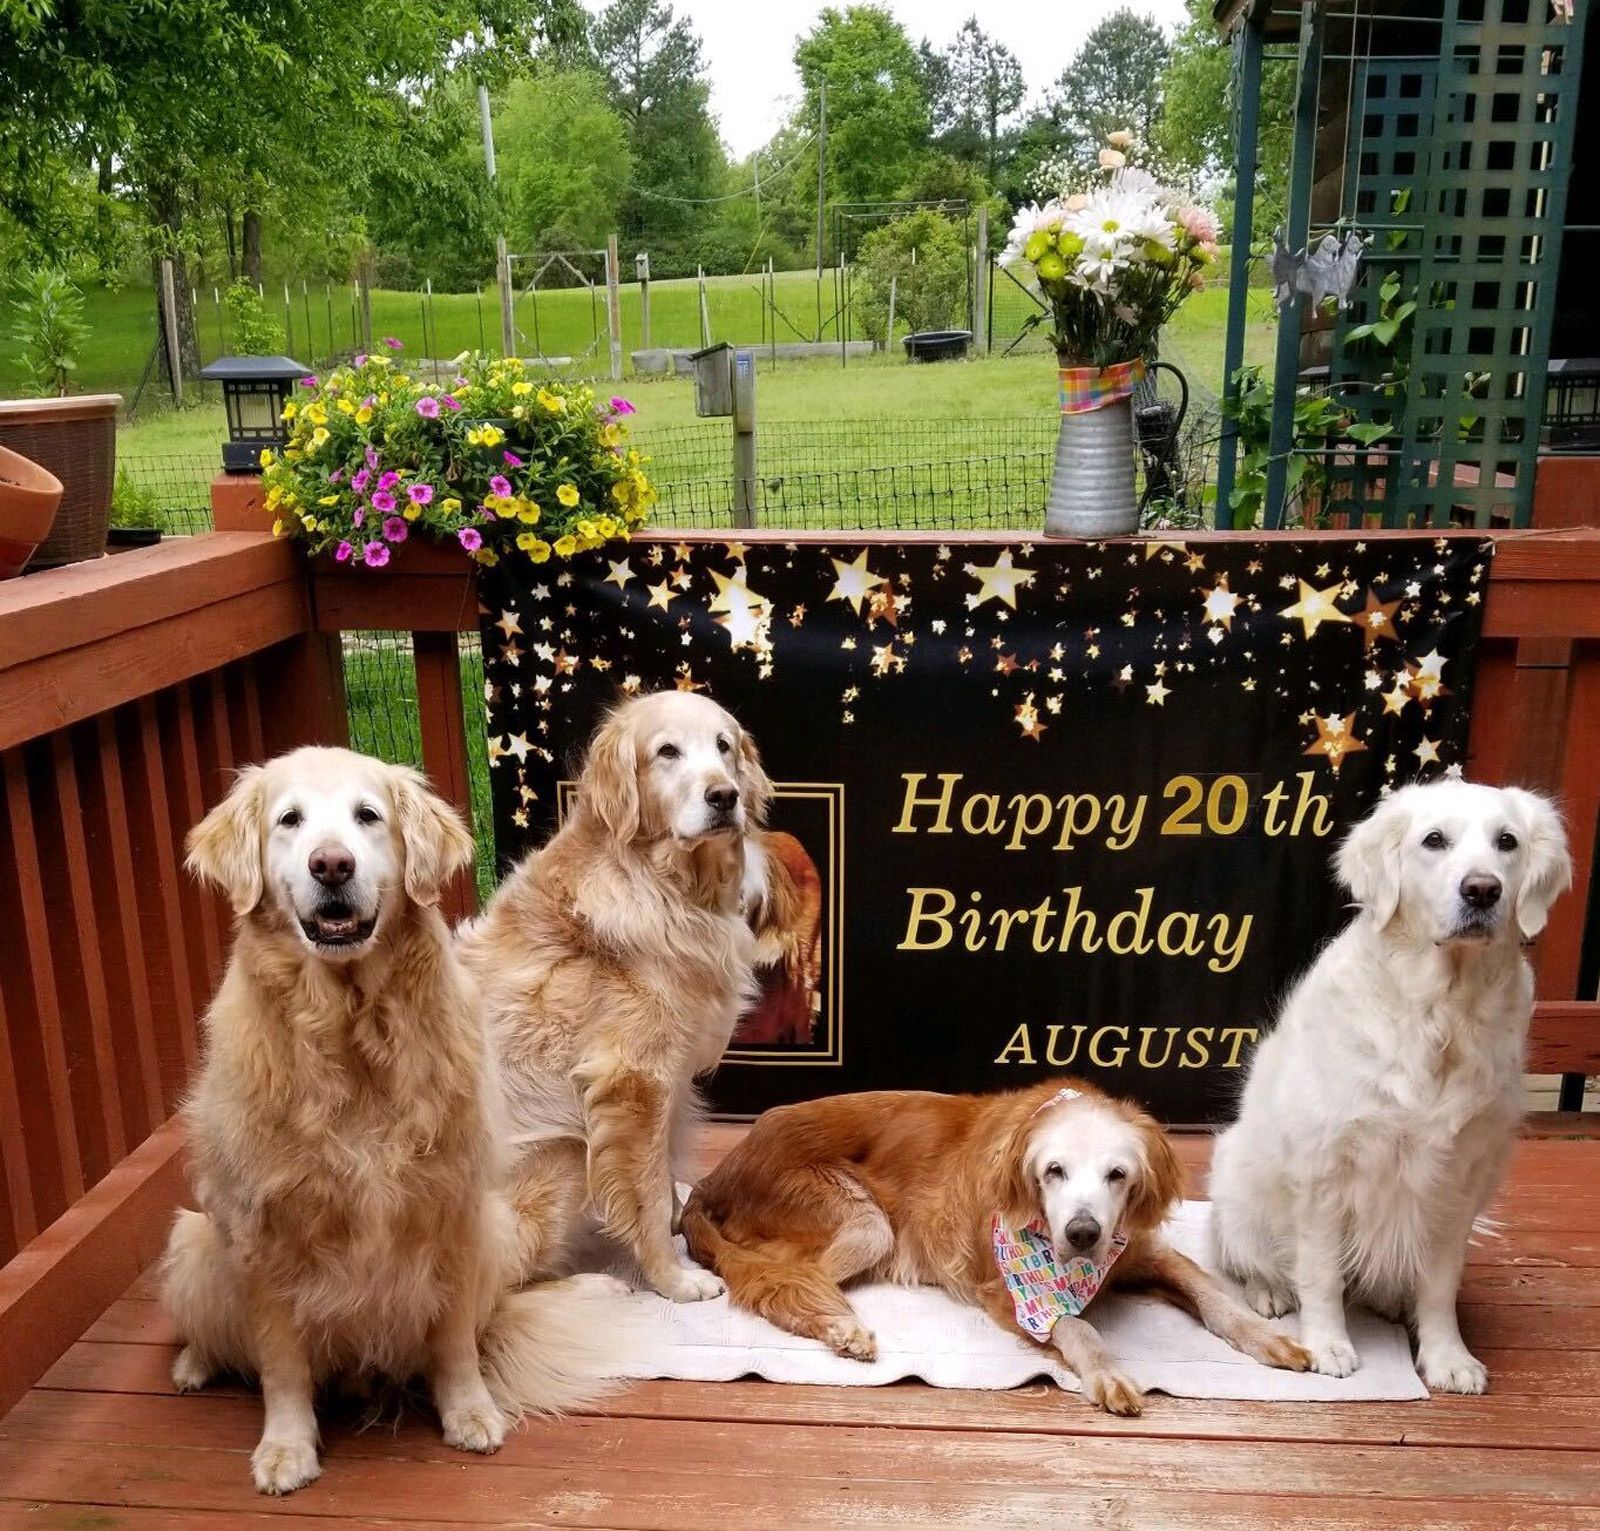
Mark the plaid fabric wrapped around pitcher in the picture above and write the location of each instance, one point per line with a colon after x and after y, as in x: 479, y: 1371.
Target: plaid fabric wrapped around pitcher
x: 1086, y: 388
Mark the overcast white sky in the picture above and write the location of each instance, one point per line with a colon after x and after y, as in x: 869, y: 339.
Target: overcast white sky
x: 748, y: 45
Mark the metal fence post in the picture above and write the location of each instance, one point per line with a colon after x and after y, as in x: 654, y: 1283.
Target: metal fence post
x: 641, y: 267
x: 744, y: 438
x: 980, y: 285
x: 502, y: 267
x: 614, y: 307
x: 169, y: 320
x: 705, y: 313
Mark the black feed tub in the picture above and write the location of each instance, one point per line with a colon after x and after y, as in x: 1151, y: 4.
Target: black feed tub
x: 937, y: 345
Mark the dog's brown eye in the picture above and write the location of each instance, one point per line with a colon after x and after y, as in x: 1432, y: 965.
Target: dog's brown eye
x: 723, y: 746
x: 1434, y: 840
x: 289, y: 819
x: 1507, y: 841
x: 668, y: 752
x: 1114, y: 1175
x: 1054, y: 1172
x: 366, y: 814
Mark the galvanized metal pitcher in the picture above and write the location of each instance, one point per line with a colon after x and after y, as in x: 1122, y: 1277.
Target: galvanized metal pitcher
x: 1092, y: 490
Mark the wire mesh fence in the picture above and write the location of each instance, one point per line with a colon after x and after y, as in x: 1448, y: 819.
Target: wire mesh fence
x: 179, y: 485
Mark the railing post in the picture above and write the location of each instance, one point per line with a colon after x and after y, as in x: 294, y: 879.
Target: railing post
x: 442, y: 723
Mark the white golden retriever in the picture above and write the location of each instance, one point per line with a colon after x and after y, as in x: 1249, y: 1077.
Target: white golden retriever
x: 345, y: 1130
x: 1380, y: 1112
x: 613, y: 964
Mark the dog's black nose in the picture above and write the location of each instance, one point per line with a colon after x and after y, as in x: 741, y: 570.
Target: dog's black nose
x: 332, y: 865
x: 1083, y: 1232
x: 722, y: 798
x: 1481, y: 892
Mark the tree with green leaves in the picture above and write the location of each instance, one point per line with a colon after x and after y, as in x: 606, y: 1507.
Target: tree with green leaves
x: 974, y: 90
x: 1113, y: 82
x: 877, y: 112
x: 657, y: 79
x: 564, y: 159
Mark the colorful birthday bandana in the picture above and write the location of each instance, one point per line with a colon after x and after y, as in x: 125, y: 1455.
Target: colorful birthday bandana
x: 1042, y: 1291
x: 1084, y: 388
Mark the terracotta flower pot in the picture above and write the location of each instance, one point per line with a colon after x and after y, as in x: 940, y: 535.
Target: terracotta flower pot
x: 29, y: 498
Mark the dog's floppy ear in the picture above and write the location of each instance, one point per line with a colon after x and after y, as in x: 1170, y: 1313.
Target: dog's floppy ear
x: 1368, y: 863
x: 438, y: 844
x: 224, y: 848
x: 754, y: 787
x: 610, y: 785
x: 1158, y: 1186
x: 1016, y: 1192
x: 1549, y: 869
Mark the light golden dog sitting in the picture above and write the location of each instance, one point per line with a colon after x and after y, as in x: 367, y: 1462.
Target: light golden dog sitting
x: 345, y: 1130
x: 613, y: 964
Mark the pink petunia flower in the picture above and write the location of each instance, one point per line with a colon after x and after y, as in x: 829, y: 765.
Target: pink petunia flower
x: 393, y: 344
x: 361, y: 360
x: 343, y: 552
x: 394, y: 529
x: 389, y: 480
x: 512, y: 460
x: 420, y: 494
x: 372, y: 458
x: 383, y: 501
x: 308, y: 382
x: 428, y: 407
x: 361, y: 480
x: 470, y: 538
x: 360, y: 515
x: 620, y: 406
x: 337, y: 476
x: 500, y: 485
x: 376, y: 555
x: 451, y: 402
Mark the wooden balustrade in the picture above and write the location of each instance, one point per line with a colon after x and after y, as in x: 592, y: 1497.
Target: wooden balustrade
x: 131, y: 688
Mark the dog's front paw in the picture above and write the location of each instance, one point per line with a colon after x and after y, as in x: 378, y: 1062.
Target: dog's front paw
x: 1282, y: 1351
x: 1453, y: 1370
x: 846, y: 1337
x: 280, y: 1467
x: 191, y: 1371
x: 1114, y: 1393
x: 1268, y: 1300
x: 1333, y: 1358
x: 474, y: 1427
x: 692, y: 1284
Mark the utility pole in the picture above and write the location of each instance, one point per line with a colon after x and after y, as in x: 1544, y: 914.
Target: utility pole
x: 502, y: 257
x: 755, y: 167
x: 822, y: 165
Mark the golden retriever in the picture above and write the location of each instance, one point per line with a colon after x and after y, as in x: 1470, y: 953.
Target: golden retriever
x: 788, y: 927
x: 1380, y: 1111
x: 344, y: 1130
x: 613, y: 964
x: 908, y: 1186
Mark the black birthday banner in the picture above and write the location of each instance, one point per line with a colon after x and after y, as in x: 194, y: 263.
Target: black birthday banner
x: 1062, y: 806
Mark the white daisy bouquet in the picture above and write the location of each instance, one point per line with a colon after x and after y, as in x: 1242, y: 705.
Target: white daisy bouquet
x: 1114, y: 263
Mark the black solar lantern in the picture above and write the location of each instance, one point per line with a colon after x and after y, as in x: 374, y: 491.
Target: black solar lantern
x: 254, y: 391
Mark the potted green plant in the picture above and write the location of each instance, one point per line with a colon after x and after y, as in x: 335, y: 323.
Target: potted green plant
x: 497, y: 463
x: 135, y: 514
x: 29, y: 498
x: 74, y: 438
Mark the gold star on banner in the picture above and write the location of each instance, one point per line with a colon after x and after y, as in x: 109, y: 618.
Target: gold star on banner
x: 998, y: 581
x: 497, y: 750
x: 1314, y: 607
x: 1377, y: 620
x: 686, y: 680
x: 682, y: 578
x: 736, y: 551
x: 631, y: 685
x: 797, y: 616
x: 883, y: 604
x: 1335, y: 739
x: 1157, y: 692
x: 1427, y: 752
x: 518, y: 745
x: 1153, y: 548
x: 853, y: 582
x: 621, y: 573
x: 1027, y: 716
x: 660, y: 595
x: 656, y: 556
x: 744, y: 625
x: 1221, y: 603
x: 1425, y: 677
x: 964, y: 654
x: 1005, y: 664
x: 566, y: 664
x: 885, y: 659
x: 1253, y: 567
x: 1195, y: 562
x: 682, y: 552
x: 509, y: 623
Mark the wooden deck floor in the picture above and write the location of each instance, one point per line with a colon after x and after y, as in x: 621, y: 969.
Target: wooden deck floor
x: 104, y: 1442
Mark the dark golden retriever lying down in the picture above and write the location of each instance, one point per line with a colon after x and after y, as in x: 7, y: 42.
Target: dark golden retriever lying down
x: 1059, y: 1181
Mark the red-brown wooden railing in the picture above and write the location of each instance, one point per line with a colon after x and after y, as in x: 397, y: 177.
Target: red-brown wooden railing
x: 130, y: 689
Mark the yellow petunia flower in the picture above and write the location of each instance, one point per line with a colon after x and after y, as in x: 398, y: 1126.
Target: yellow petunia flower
x: 329, y: 499
x: 487, y: 557
x: 521, y: 389
x: 610, y: 436
x: 319, y: 438
x: 539, y: 552
x: 552, y: 401
x: 346, y: 407
x: 277, y: 528
x: 267, y: 457
x: 317, y: 414
x: 411, y: 512
x: 290, y: 410
x: 451, y: 507
x: 622, y: 492
x: 566, y: 546
x: 528, y: 512
x: 607, y: 526
x: 363, y: 415
x: 568, y: 495
x: 485, y: 436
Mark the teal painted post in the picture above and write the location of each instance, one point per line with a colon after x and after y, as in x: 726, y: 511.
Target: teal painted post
x: 1247, y: 42
x: 1286, y: 372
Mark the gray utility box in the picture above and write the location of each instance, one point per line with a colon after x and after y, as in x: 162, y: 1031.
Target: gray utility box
x: 713, y: 379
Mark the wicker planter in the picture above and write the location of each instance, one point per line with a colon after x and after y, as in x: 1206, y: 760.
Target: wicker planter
x: 76, y: 439
x: 29, y: 498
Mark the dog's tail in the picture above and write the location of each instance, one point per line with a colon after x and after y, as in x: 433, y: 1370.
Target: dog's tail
x: 793, y: 1294
x: 563, y: 1344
